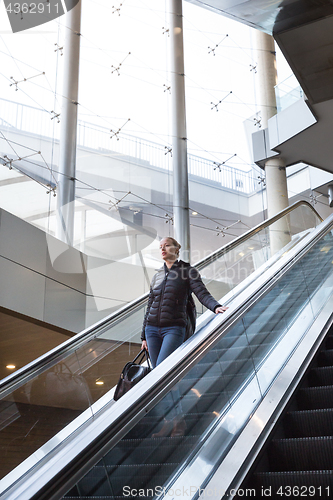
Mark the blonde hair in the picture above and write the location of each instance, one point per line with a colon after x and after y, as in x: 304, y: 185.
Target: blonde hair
x: 174, y: 242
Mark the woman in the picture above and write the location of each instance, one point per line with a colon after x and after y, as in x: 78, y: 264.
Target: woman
x: 164, y: 326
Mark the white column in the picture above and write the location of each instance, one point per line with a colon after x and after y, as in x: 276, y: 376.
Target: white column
x: 277, y: 200
x: 276, y: 186
x: 179, y: 143
x: 68, y: 132
x: 267, y: 75
x: 275, y: 168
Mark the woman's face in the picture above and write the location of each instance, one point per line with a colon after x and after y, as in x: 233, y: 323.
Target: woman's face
x: 168, y: 251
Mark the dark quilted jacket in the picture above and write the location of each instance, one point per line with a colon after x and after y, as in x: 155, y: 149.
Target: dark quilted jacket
x: 169, y: 292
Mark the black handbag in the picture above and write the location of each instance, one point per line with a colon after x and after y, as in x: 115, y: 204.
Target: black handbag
x: 132, y: 373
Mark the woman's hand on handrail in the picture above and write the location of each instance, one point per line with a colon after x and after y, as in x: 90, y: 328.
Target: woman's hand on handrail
x: 221, y: 309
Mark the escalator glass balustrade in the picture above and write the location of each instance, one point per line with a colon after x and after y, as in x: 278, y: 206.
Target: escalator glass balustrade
x: 152, y: 460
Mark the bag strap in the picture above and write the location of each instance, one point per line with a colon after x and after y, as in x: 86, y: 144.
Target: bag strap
x: 148, y: 359
x: 144, y: 354
x: 138, y: 355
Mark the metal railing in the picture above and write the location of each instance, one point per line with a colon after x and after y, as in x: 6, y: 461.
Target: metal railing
x: 44, y: 123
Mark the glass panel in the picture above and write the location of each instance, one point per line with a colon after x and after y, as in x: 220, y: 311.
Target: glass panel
x: 237, y: 264
x: 287, y: 93
x: 102, y: 361
x: 318, y: 272
x: 155, y: 448
x: 39, y: 409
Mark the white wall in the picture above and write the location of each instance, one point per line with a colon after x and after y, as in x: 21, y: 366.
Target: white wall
x: 34, y: 285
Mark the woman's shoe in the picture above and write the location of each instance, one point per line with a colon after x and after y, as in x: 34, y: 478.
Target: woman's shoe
x: 165, y: 430
x: 179, y: 427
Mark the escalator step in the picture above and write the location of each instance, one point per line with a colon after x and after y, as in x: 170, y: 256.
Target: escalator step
x: 238, y: 351
x: 235, y: 352
x: 196, y: 423
x: 236, y: 333
x: 207, y: 403
x: 225, y: 359
x: 315, y: 484
x: 258, y: 352
x: 243, y: 354
x: 301, y: 453
x: 216, y: 382
x: 134, y: 476
x: 309, y: 423
x: 325, y: 358
x: 201, y: 383
x: 151, y: 424
x: 96, y: 487
x: 201, y: 369
x: 329, y: 342
x: 129, y: 451
x: 321, y: 376
x: 315, y: 398
x: 225, y: 353
x: 237, y: 366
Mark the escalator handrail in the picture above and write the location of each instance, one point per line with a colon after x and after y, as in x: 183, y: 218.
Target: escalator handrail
x: 252, y: 232
x: 69, y: 346
x: 103, y: 431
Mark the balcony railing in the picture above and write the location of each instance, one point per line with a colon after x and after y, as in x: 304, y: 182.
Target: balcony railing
x: 287, y: 92
x: 40, y: 122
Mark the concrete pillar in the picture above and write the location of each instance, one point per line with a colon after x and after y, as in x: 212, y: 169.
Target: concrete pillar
x: 275, y: 168
x: 277, y: 200
x: 267, y: 76
x: 68, y: 132
x: 179, y: 142
x: 276, y: 186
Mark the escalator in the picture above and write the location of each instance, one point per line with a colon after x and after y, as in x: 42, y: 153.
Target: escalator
x: 225, y: 362
x: 297, y: 458
x: 223, y: 389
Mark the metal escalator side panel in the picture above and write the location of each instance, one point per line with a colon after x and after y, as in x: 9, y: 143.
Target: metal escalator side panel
x: 232, y: 471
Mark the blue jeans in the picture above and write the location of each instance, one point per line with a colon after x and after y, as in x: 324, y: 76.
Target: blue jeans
x: 162, y: 341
